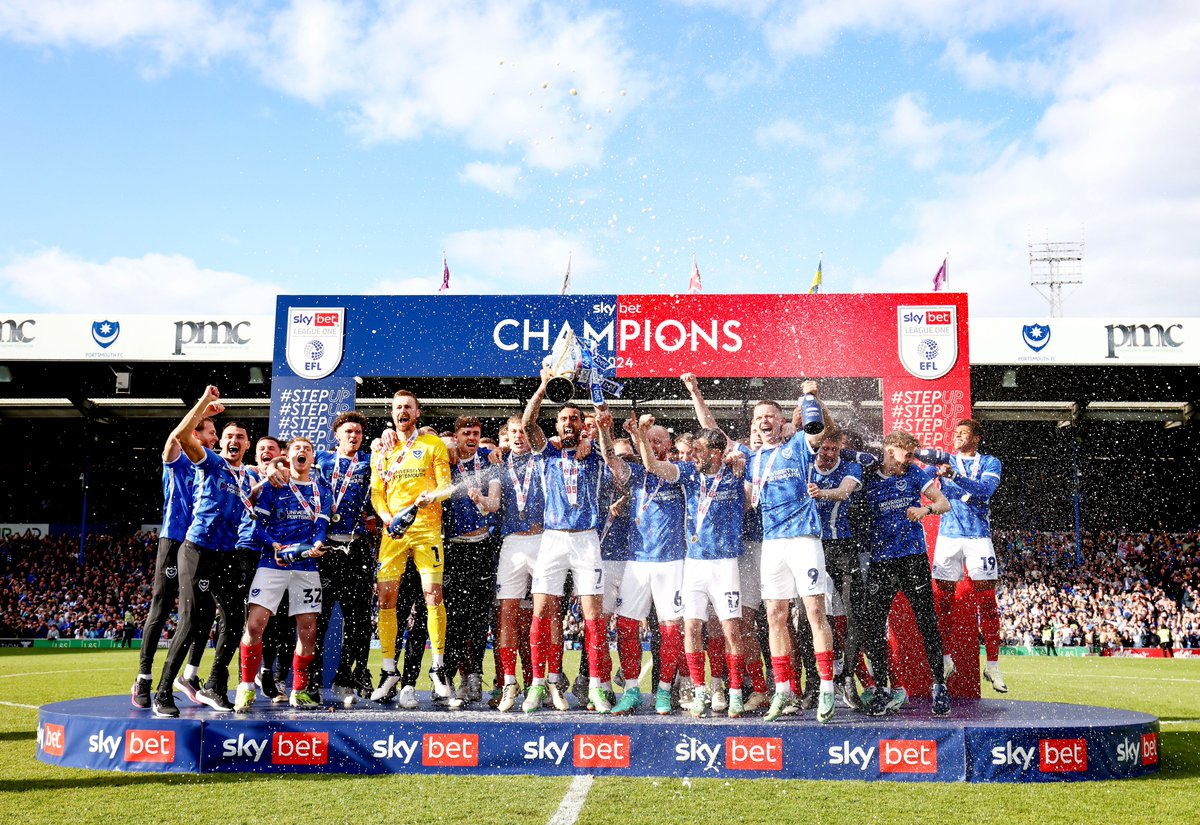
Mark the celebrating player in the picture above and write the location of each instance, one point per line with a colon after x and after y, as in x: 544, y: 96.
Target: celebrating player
x: 965, y: 541
x: 569, y: 542
x: 900, y: 564
x: 413, y: 473
x: 292, y: 519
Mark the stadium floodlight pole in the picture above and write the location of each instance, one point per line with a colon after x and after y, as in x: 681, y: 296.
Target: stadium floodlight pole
x: 85, y: 479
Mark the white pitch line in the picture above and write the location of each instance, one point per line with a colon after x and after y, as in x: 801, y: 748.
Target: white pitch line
x: 1028, y: 675
x: 18, y: 705
x: 572, y: 802
x: 58, y: 672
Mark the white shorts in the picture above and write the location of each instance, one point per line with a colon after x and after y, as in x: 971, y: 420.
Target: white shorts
x: 711, y: 585
x: 518, y: 554
x: 951, y: 555
x: 644, y: 582
x: 750, y: 575
x: 793, y: 568
x: 561, y: 551
x: 614, y: 572
x: 303, y: 588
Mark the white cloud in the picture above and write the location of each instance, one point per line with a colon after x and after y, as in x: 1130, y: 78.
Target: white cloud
x: 549, y: 83
x: 1112, y: 158
x: 913, y: 130
x: 56, y: 281
x: 979, y: 70
x: 836, y: 149
x: 494, y: 177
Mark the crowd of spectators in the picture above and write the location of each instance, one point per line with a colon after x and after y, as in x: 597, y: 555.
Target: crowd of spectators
x: 1118, y: 590
x: 46, y: 593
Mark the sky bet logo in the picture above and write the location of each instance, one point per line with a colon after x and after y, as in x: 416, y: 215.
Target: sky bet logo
x: 287, y: 748
x: 52, y: 739
x: 857, y: 757
x: 545, y: 750
x: 317, y: 319
x: 1142, y: 750
x: 933, y: 317
x: 140, y: 745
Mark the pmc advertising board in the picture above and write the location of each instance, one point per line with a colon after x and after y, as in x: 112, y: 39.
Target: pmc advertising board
x: 914, y: 344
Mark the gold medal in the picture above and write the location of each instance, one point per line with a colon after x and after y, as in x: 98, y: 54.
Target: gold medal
x: 695, y: 539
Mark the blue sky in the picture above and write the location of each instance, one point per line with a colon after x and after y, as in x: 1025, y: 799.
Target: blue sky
x: 162, y: 153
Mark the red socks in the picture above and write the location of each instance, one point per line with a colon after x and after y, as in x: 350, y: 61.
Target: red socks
x: 695, y: 666
x: 758, y: 679
x: 508, y: 661
x: 825, y: 665
x: 782, y: 667
x: 943, y: 604
x: 539, y: 645
x: 670, y: 647
x: 595, y: 638
x: 300, y: 671
x: 989, y: 623
x: 736, y: 663
x: 251, y: 661
x: 629, y: 648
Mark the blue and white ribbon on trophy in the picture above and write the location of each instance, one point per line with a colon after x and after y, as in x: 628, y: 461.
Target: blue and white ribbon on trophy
x: 593, y: 372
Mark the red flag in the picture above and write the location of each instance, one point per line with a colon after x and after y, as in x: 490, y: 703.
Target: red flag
x: 942, y: 276
x: 445, y: 276
x: 694, y: 282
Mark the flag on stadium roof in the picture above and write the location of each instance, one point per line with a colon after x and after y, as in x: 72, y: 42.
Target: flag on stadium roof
x: 694, y: 286
x: 943, y: 275
x: 445, y: 275
x: 566, y: 285
x: 816, y: 284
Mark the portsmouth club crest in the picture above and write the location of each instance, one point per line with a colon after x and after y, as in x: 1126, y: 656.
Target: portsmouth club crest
x: 105, y: 333
x: 928, y: 337
x: 1036, y: 336
x: 314, y: 340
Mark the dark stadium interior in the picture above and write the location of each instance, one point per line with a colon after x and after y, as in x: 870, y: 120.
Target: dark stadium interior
x: 1134, y: 471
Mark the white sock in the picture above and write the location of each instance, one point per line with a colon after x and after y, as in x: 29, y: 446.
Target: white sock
x: 783, y: 687
x: 439, y: 660
x: 246, y: 686
x: 389, y: 665
x: 827, y: 686
x: 510, y: 679
x: 145, y: 677
x: 538, y: 680
x: 189, y: 671
x: 552, y: 677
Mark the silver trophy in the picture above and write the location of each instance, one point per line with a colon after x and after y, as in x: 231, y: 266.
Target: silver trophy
x: 564, y: 362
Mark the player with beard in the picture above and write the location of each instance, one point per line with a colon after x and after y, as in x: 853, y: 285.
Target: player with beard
x: 965, y: 542
x: 716, y: 501
x: 900, y: 564
x: 793, y: 562
x: 296, y: 518
x: 749, y: 562
x: 415, y: 472
x: 223, y: 489
x: 280, y: 635
x: 832, y: 482
x: 346, y: 568
x: 570, y: 541
x: 522, y: 512
x: 178, y: 476
x: 472, y: 550
x: 654, y: 572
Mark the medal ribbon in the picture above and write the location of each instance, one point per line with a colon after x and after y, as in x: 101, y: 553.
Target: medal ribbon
x: 239, y: 478
x: 391, y: 471
x: 570, y: 470
x: 973, y: 473
x: 647, y: 499
x: 313, y: 511
x: 706, y: 497
x: 521, y: 488
x: 759, y: 479
x: 341, y: 491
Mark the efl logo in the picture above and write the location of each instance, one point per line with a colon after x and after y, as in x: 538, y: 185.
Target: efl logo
x: 907, y: 756
x: 325, y: 319
x: 300, y: 748
x: 753, y: 753
x: 1149, y: 748
x: 54, y: 738
x: 1062, y: 755
x: 450, y: 750
x: 149, y: 746
x: 601, y: 751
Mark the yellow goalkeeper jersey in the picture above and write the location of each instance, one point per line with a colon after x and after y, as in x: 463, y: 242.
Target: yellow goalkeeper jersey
x: 406, y: 471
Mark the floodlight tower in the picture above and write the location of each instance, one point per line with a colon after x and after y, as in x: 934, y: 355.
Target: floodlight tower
x: 1053, y: 265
